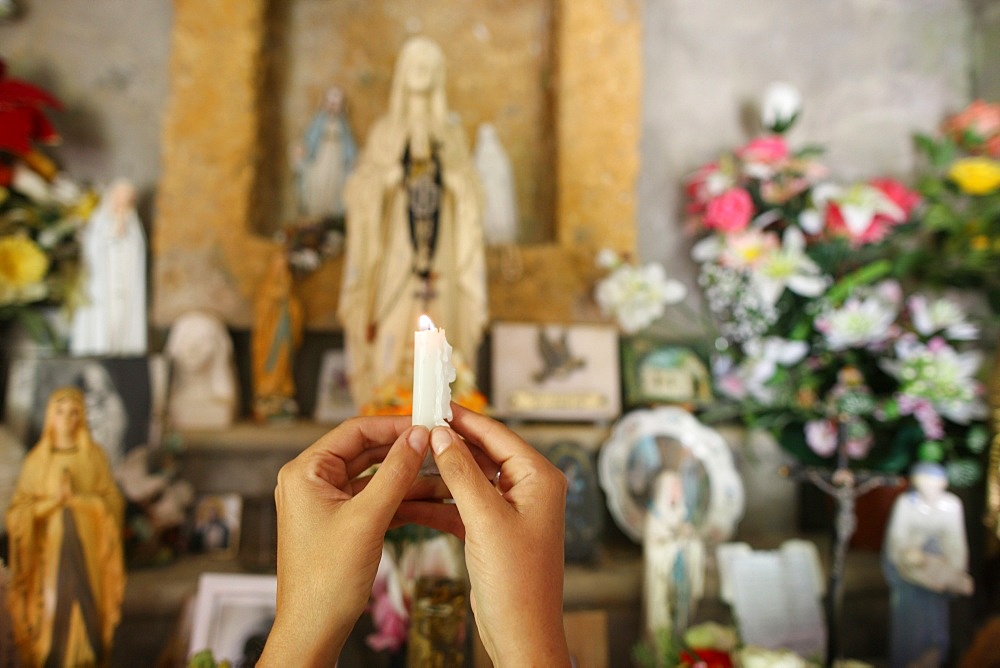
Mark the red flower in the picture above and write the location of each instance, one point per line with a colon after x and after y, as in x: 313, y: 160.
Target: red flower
x: 705, y: 658
x: 901, y: 196
x: 696, y: 188
x: 729, y: 212
x: 22, y: 115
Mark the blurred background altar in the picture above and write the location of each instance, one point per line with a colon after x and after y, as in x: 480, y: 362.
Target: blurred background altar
x: 605, y: 109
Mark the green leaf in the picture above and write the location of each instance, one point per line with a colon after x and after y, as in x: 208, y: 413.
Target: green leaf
x: 964, y: 472
x: 863, y: 276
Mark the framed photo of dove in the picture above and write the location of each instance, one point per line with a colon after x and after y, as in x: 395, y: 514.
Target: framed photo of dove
x: 555, y: 372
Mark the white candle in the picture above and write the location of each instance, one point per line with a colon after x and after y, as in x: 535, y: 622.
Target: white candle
x: 433, y: 374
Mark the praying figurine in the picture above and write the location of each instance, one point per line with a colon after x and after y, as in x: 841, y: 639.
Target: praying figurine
x: 111, y: 320
x: 925, y: 561
x: 500, y: 217
x: 278, y: 321
x: 67, y: 576
x: 414, y: 232
x: 324, y: 159
x: 203, y: 390
x: 673, y: 555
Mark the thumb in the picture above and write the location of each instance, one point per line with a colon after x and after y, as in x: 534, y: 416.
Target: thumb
x: 395, y: 475
x: 468, y: 485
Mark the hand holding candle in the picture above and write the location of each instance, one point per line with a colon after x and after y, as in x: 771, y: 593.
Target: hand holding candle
x: 433, y: 373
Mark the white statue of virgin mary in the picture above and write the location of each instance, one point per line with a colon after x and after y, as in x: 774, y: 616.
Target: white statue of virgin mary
x: 414, y: 231
x: 112, y: 318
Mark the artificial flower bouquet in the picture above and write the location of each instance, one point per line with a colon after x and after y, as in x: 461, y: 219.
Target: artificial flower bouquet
x: 958, y: 234
x: 820, y: 341
x: 41, y: 211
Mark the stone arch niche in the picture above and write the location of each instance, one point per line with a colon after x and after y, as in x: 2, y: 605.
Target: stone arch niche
x: 210, y: 249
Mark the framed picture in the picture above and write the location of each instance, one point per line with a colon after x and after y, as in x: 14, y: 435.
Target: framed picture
x: 232, y: 616
x: 555, y: 372
x: 216, y: 527
x: 658, y: 372
x: 125, y: 398
x: 333, y: 394
x: 584, y: 505
x: 647, y: 444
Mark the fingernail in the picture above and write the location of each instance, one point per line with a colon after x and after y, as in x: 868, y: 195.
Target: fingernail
x: 417, y: 439
x: 440, y: 440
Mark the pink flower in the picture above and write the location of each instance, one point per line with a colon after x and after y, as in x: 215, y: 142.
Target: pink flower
x: 768, y: 150
x: 390, y: 627
x: 729, y: 212
x: 821, y: 437
x: 388, y: 607
x: 976, y: 128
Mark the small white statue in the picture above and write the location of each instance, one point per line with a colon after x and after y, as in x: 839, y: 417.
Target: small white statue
x: 203, y: 391
x: 500, y: 216
x: 925, y: 560
x: 112, y: 318
x: 673, y: 558
x: 324, y: 159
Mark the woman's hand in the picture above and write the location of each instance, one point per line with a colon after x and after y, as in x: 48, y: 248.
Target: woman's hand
x: 331, y: 527
x: 514, y: 525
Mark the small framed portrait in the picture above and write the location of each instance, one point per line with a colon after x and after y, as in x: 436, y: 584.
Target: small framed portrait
x: 233, y: 614
x: 659, y: 372
x: 216, y: 526
x: 333, y: 394
x: 648, y: 446
x: 584, y: 504
x: 125, y: 398
x: 555, y: 372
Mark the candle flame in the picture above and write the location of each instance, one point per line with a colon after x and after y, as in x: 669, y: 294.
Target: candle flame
x: 425, y: 323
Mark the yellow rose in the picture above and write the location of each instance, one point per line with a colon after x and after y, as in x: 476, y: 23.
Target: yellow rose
x: 22, y: 262
x: 976, y: 176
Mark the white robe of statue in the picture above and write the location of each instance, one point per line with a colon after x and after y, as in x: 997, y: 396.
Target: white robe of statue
x: 673, y: 558
x: 326, y: 157
x: 493, y: 165
x: 382, y: 295
x: 925, y: 561
x: 112, y: 318
x: 203, y: 391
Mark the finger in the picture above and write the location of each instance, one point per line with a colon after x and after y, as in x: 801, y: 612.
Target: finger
x: 440, y: 516
x: 424, y: 488
x: 350, y: 440
x: 390, y: 483
x: 470, y: 488
x: 498, y: 442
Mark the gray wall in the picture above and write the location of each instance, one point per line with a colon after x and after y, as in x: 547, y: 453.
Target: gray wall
x: 106, y: 60
x: 871, y: 71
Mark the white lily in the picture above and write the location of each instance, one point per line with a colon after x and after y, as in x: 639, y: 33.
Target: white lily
x: 941, y: 375
x: 941, y: 315
x: 860, y: 322
x: 859, y: 205
x: 789, y: 267
x: 637, y: 296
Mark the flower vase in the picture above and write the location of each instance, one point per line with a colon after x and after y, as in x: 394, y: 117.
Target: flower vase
x: 438, y: 609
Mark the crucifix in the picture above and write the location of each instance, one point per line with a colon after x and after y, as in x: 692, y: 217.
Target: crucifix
x: 845, y: 486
